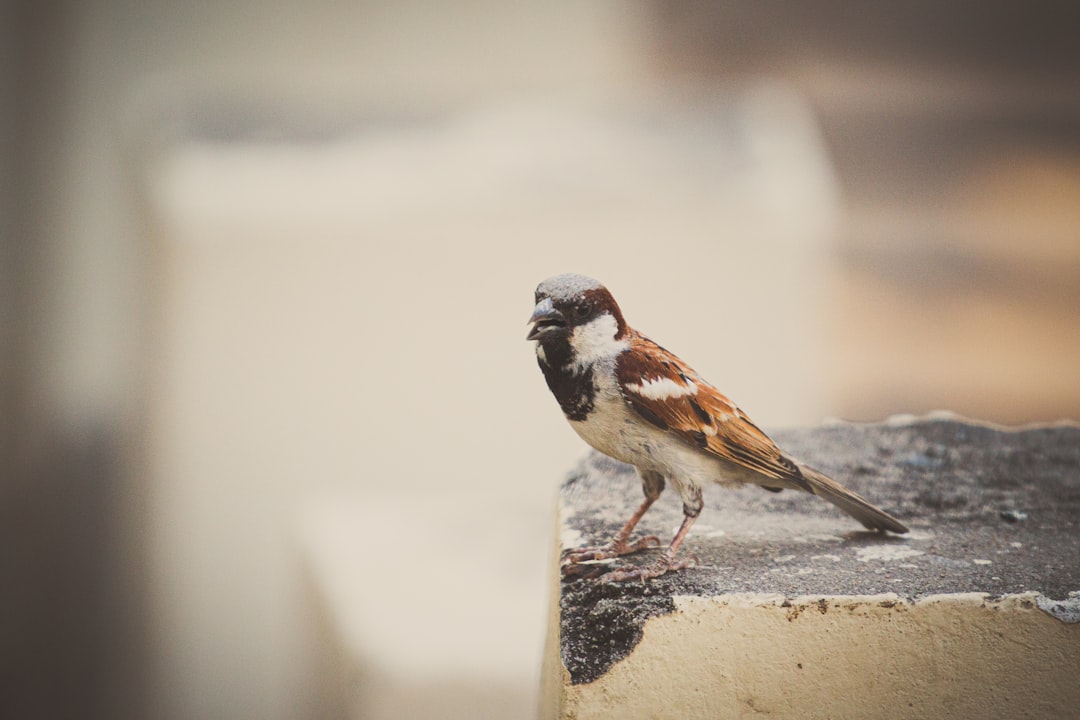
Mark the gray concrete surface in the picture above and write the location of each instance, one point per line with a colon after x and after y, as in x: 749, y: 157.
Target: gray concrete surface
x: 991, y: 510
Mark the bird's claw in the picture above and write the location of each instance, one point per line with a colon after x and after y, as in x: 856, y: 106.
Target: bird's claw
x: 661, y: 565
x: 613, y: 549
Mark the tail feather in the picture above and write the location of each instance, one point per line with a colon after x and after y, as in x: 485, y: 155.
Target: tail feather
x: 853, y: 504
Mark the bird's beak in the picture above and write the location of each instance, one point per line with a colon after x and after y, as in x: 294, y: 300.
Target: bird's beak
x: 545, y: 318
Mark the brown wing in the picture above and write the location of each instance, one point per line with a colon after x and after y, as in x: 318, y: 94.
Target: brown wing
x: 669, y: 394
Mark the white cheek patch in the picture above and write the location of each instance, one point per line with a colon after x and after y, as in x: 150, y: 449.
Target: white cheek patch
x: 595, y: 340
x: 662, y: 389
x: 541, y: 354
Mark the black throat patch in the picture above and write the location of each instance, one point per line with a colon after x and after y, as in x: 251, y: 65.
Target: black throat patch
x: 575, y: 392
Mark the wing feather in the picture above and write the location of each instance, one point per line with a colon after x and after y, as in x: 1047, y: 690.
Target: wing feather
x: 667, y: 393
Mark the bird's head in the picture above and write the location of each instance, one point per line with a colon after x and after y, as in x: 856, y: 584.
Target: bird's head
x: 579, y: 312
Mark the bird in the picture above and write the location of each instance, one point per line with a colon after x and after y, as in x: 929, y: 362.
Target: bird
x: 637, y: 402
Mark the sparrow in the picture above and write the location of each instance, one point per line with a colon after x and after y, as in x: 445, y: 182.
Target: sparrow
x: 636, y: 402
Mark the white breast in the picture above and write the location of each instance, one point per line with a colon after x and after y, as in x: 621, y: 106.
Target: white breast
x: 615, y: 429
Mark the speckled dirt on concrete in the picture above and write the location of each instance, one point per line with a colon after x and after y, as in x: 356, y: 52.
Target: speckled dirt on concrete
x: 991, y: 510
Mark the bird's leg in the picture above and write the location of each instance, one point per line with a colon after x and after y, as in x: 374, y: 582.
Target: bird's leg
x: 619, y: 545
x: 666, y: 562
x: 652, y: 484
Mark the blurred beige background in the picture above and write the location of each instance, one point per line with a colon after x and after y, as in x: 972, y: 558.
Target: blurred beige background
x: 274, y: 445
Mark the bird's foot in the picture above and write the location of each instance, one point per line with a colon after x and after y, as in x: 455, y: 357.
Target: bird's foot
x: 613, y: 549
x: 572, y: 559
x: 661, y: 565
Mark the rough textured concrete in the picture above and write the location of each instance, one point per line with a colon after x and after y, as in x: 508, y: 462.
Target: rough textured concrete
x: 993, y: 515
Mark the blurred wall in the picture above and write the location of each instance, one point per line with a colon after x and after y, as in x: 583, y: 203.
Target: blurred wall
x: 71, y: 607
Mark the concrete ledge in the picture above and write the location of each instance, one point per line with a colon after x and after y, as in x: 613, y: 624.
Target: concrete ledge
x: 795, y: 612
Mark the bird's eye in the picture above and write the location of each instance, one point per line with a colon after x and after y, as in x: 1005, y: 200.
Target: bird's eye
x: 582, y: 310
